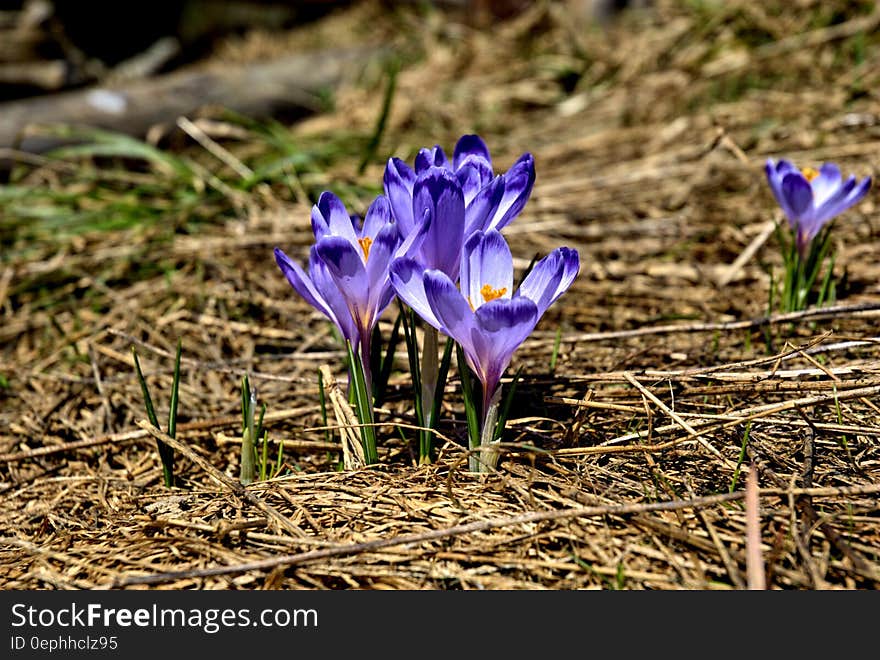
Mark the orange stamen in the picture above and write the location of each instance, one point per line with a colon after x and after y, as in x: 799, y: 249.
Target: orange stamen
x: 489, y: 293
x: 810, y: 173
x: 365, y: 243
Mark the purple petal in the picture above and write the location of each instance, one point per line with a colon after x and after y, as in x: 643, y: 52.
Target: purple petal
x: 848, y: 195
x: 301, y: 283
x: 381, y: 252
x: 550, y: 278
x: 411, y: 245
x: 438, y: 191
x: 346, y: 266
x: 450, y: 308
x: 427, y: 158
x: 470, y: 145
x: 861, y: 190
x: 484, y: 207
x: 320, y: 228
x: 783, y: 167
x: 486, y: 262
x: 473, y: 174
x: 501, y: 327
x: 378, y: 216
x: 407, y: 279
x: 798, y: 193
x: 326, y: 286
x: 518, y: 183
x: 398, y: 182
x: 826, y: 184
x: 333, y: 213
x: 775, y: 173
x: 387, y: 295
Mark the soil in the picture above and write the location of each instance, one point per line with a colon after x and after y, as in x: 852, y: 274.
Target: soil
x: 671, y: 429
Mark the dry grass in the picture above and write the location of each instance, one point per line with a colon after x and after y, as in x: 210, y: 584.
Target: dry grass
x: 626, y: 463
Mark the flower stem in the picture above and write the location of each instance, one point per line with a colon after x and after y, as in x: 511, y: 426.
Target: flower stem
x: 488, y: 458
x: 429, y: 371
x: 365, y: 349
x: 362, y: 403
x: 470, y: 409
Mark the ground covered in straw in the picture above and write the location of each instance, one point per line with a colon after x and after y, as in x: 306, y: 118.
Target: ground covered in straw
x: 654, y: 395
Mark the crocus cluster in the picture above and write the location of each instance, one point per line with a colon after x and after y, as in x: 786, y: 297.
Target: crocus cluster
x: 434, y: 240
x: 810, y: 200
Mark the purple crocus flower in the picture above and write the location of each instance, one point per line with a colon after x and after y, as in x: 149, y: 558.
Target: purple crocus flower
x: 348, y: 277
x: 811, y: 198
x: 487, y: 319
x: 478, y: 198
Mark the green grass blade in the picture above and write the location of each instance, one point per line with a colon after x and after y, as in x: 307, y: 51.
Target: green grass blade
x: 175, y: 394
x: 412, y: 350
x: 470, y: 406
x: 259, y: 426
x: 265, y: 456
x: 742, y: 457
x: 375, y: 356
x: 505, y: 407
x: 148, y: 401
x: 426, y: 437
x: 245, y: 395
x: 249, y: 439
x: 442, y: 377
x: 387, y: 100
x: 322, y: 399
x: 166, y: 453
x: 383, y: 372
x: 556, y: 343
x: 101, y: 143
x: 280, y: 460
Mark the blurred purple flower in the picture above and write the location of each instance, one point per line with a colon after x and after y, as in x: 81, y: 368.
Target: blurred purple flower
x: 484, y: 316
x: 811, y: 198
x: 463, y: 196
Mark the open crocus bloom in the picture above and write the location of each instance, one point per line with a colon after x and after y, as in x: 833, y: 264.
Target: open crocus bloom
x: 811, y: 198
x: 348, y: 266
x: 489, y: 201
x: 487, y: 319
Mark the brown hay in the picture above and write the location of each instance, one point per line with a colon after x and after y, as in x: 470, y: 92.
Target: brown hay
x: 624, y: 467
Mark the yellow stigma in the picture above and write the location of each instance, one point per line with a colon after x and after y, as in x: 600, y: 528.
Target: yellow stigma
x: 810, y: 173
x: 365, y: 243
x: 489, y: 293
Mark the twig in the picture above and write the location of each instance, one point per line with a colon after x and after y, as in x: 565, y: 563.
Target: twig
x: 214, y: 148
x: 859, y: 564
x: 754, y: 561
x: 726, y: 559
x: 352, y: 449
x: 747, y: 254
x: 757, y: 412
x: 807, y: 314
x: 125, y: 436
x: 469, y: 528
x: 800, y: 542
x: 828, y: 372
x: 681, y: 422
x: 227, y: 482
x: 5, y: 279
x: 105, y: 400
x: 804, y: 41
